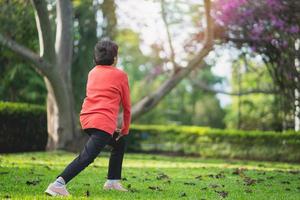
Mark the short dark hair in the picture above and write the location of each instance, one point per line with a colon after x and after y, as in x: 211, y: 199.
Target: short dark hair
x: 105, y: 51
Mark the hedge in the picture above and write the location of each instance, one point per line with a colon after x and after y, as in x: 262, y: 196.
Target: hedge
x: 23, y: 127
x: 209, y: 142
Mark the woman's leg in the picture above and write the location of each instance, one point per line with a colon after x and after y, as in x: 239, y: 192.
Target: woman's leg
x: 97, y: 141
x: 116, y: 158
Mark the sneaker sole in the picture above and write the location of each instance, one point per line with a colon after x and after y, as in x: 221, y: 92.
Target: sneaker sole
x: 51, y: 193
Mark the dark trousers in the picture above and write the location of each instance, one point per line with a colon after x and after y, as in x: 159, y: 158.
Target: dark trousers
x: 97, y: 141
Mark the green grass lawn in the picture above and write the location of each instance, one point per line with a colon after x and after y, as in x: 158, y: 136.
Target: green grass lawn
x: 26, y: 176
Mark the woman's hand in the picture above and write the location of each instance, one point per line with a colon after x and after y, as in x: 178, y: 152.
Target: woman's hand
x: 118, y: 131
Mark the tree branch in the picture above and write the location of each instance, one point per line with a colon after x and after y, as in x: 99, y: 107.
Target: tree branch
x: 64, y: 32
x: 153, y: 99
x: 203, y: 86
x: 44, y: 30
x: 39, y: 63
x: 164, y: 17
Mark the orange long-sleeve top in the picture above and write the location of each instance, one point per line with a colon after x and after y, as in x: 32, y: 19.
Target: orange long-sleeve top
x: 107, y: 88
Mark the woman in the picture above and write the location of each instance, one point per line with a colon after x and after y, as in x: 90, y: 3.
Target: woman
x: 106, y: 88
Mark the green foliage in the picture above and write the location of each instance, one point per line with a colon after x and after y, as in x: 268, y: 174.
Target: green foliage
x: 254, y: 111
x: 188, y: 105
x: 151, y: 177
x: 208, y: 142
x: 23, y: 127
x: 84, y: 41
x: 19, y: 82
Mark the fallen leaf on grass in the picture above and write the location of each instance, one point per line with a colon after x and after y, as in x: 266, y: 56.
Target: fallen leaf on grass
x: 222, y: 193
x: 47, y: 167
x: 294, y: 172
x: 211, y: 175
x: 162, y: 176
x: 33, y: 182
x: 220, y: 175
x: 155, y: 188
x: 248, y: 191
x: 249, y: 181
x: 214, y: 185
x: 133, y: 190
x: 183, y: 194
x: 238, y: 171
x: 189, y: 183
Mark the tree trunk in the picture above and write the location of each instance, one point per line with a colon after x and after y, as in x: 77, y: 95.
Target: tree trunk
x: 297, y: 110
x: 61, y: 118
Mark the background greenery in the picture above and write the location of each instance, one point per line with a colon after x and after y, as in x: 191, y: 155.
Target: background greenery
x: 185, y: 105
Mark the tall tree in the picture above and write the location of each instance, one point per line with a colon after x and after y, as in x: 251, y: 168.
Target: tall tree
x: 53, y: 63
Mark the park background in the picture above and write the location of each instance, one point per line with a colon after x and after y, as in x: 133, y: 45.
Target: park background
x: 209, y: 79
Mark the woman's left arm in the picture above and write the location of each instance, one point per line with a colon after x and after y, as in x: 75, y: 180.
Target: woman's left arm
x: 125, y: 96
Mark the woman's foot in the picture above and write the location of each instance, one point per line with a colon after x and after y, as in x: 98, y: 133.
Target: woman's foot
x: 53, y: 190
x: 115, y: 185
x: 57, y: 188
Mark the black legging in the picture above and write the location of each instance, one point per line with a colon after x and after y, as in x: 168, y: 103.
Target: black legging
x: 97, y: 141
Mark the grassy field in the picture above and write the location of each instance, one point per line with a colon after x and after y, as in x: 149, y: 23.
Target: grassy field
x: 26, y: 176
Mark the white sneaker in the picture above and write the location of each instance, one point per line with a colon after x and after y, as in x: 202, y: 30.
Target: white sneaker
x: 53, y: 190
x: 114, y: 186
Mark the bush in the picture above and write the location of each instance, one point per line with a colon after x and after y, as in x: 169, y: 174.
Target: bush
x: 23, y: 127
x: 208, y: 142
